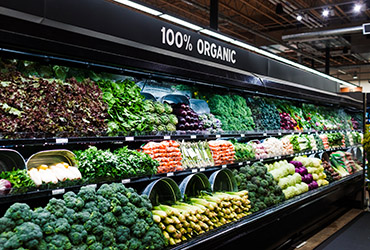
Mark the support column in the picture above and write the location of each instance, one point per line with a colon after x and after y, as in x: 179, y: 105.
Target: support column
x: 327, y: 59
x: 213, y: 16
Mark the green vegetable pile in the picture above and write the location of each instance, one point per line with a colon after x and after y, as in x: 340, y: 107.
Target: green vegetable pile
x: 125, y: 107
x: 263, y: 190
x: 243, y: 151
x: 20, y: 180
x: 114, y: 217
x: 159, y: 116
x: 232, y: 111
x: 264, y: 112
x: 96, y: 164
x: 335, y: 139
x: 319, y: 143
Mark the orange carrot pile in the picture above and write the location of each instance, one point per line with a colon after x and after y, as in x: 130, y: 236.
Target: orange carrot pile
x: 223, y: 152
x: 324, y: 139
x: 167, y: 153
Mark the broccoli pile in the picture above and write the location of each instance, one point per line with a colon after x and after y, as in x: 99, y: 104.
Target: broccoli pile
x: 113, y: 217
x: 263, y: 190
x: 159, y: 116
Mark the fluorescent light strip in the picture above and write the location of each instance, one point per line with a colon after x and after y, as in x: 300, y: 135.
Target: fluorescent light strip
x: 216, y: 35
x: 139, y: 7
x: 229, y: 40
x: 181, y: 22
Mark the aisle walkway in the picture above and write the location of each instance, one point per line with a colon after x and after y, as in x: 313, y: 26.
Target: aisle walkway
x: 332, y: 233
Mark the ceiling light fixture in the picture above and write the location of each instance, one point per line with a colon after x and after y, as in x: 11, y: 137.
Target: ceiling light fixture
x: 181, y: 22
x: 357, y: 8
x: 325, y: 13
x: 355, y: 75
x: 299, y: 17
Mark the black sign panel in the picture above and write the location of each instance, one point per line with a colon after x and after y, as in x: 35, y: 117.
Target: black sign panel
x: 109, y: 21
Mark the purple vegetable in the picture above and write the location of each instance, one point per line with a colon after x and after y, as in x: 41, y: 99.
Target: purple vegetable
x: 5, y: 186
x: 182, y: 120
x: 183, y: 113
x: 187, y: 126
x: 183, y: 106
x: 188, y: 118
x: 182, y: 127
x: 314, y: 184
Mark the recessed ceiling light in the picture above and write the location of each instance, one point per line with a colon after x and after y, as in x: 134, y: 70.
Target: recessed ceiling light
x: 357, y: 8
x: 355, y: 75
x: 299, y: 17
x: 325, y: 12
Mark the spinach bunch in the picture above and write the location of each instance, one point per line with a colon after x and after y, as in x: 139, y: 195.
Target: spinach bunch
x: 125, y: 107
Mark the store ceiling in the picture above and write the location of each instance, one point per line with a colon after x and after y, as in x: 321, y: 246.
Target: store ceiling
x: 263, y: 24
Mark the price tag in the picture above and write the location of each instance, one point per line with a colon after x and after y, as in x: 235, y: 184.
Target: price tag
x: 58, y: 191
x: 240, y: 163
x: 275, y: 158
x: 218, y: 136
x: 261, y: 160
x: 202, y: 169
x: 248, y: 162
x: 193, y: 137
x: 129, y: 138
x: 124, y: 181
x: 169, y: 174
x: 242, y: 135
x: 309, y: 133
x: 194, y: 170
x: 91, y: 186
x: 264, y: 134
x: 279, y: 133
x: 224, y: 166
x: 166, y: 137
x: 279, y: 157
x: 292, y: 133
x: 61, y: 140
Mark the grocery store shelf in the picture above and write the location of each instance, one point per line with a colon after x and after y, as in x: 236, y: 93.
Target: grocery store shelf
x: 143, y: 181
x: 44, y: 140
x: 245, y: 226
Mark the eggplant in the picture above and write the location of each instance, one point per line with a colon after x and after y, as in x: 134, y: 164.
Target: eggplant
x: 183, y: 106
x: 188, y: 118
x: 187, y: 126
x: 181, y: 119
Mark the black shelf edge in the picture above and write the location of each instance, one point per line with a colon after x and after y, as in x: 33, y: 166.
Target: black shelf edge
x: 48, y: 141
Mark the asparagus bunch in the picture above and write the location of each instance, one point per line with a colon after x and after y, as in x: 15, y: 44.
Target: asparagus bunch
x: 183, y: 221
x: 196, y: 154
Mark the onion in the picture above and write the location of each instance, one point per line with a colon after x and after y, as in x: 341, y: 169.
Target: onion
x: 5, y: 186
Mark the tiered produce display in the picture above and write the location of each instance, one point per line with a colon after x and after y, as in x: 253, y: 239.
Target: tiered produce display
x: 116, y: 217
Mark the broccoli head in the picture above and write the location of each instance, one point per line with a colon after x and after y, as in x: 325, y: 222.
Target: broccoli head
x: 110, y: 219
x: 78, y: 234
x: 264, y: 183
x: 41, y: 216
x: 139, y: 228
x: 128, y: 216
x: 96, y: 246
x: 87, y: 193
x: 56, y: 207
x: 122, y: 234
x: 58, y: 241
x: 73, y: 201
x: 134, y: 244
x: 251, y: 187
x: 6, y: 224
x: 154, y: 239
x: 108, y: 237
x: 256, y: 181
x: 19, y: 213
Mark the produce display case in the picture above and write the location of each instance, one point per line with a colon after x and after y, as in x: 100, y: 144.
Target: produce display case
x: 22, y: 36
